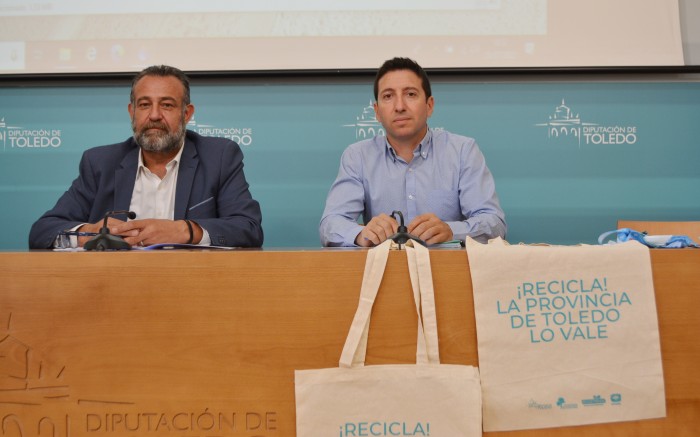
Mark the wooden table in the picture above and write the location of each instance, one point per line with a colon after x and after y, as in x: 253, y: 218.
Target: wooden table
x: 204, y: 344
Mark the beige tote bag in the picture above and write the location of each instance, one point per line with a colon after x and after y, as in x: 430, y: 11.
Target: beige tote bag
x: 567, y: 335
x: 422, y: 399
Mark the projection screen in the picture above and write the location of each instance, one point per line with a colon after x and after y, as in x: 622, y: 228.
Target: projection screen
x: 93, y: 36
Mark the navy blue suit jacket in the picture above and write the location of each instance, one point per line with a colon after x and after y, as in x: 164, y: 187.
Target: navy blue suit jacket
x: 211, y: 190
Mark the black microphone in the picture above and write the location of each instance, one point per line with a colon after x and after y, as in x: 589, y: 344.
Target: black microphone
x: 402, y: 235
x: 106, y: 241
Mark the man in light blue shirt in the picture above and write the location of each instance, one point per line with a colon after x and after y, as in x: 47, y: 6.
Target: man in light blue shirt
x: 437, y: 179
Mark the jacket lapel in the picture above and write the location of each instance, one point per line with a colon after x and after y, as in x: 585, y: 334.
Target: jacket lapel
x: 125, y: 178
x: 185, y: 179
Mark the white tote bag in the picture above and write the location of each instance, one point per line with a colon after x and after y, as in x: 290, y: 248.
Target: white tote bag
x: 567, y: 335
x: 422, y: 399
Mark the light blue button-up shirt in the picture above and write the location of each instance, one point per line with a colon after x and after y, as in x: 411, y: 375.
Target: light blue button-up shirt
x: 447, y: 177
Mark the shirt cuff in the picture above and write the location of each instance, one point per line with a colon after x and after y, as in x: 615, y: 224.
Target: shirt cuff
x: 348, y: 235
x: 58, y: 244
x: 206, y: 240
x: 459, y: 230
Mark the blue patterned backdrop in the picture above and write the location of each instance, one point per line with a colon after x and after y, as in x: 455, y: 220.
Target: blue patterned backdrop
x: 569, y: 158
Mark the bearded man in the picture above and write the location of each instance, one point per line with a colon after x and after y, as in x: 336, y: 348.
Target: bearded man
x: 183, y: 187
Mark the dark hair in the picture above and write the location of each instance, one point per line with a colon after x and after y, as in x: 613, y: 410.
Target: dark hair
x: 402, y: 64
x: 163, y: 71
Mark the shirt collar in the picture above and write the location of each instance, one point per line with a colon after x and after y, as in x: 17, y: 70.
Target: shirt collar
x: 169, y: 166
x: 425, y: 147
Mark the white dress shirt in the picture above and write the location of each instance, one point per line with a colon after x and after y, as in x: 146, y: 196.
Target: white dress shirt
x: 154, y: 197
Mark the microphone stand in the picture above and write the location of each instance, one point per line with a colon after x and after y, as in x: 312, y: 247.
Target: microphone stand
x: 106, y: 241
x: 402, y: 235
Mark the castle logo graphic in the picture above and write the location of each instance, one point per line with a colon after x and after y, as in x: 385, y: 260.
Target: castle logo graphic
x: 17, y: 137
x: 367, y: 125
x: 563, y: 124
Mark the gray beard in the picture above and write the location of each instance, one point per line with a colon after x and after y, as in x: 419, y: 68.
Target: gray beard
x: 161, y: 142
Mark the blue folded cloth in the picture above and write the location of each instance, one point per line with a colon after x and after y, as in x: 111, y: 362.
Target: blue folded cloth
x: 655, y: 241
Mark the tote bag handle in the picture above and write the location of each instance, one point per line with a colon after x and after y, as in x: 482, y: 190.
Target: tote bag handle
x: 418, y: 257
